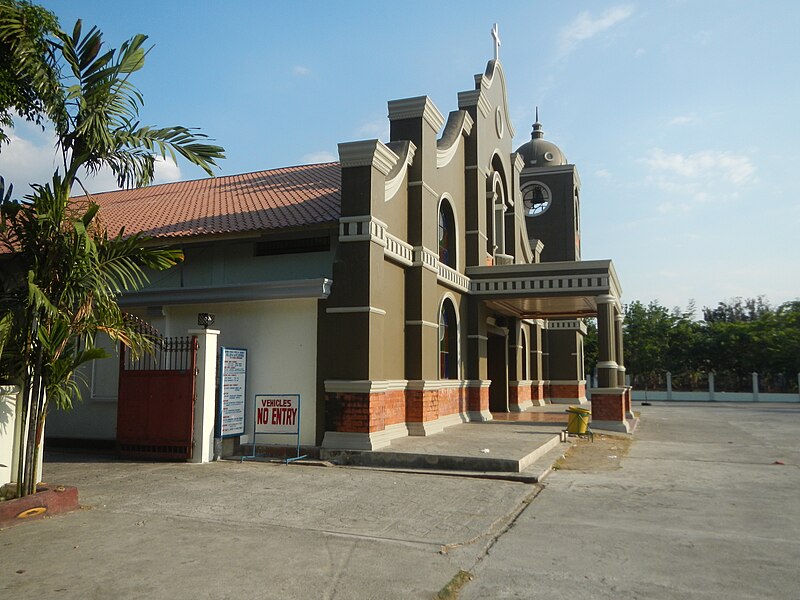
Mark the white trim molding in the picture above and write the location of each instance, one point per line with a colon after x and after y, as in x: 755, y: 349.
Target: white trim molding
x: 436, y: 426
x: 423, y: 324
x: 362, y: 228
x: 413, y: 108
x: 367, y: 153
x: 343, y: 440
x: 363, y: 386
x: 355, y: 309
x: 398, y: 250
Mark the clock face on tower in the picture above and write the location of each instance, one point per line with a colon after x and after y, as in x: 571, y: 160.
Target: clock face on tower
x: 537, y: 199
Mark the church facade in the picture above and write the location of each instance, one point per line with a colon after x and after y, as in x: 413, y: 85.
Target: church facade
x: 429, y: 280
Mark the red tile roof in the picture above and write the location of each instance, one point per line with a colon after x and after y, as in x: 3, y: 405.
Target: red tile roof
x: 264, y: 200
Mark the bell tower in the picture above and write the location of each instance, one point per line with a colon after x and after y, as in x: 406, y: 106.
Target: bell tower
x: 551, y: 195
x: 550, y: 189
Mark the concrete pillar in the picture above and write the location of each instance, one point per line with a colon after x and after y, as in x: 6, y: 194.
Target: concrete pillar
x: 204, y: 402
x: 755, y: 386
x: 9, y: 433
x: 11, y: 430
x: 618, y: 349
x: 606, y: 345
x: 711, y: 386
x: 669, y: 385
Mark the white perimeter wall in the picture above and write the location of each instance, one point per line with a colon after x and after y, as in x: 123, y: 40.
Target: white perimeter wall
x: 280, y: 337
x: 281, y: 341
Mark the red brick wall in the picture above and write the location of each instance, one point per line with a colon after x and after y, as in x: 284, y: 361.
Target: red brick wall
x: 571, y: 390
x: 537, y: 392
x: 370, y: 412
x: 452, y: 401
x: 364, y: 412
x: 608, y: 407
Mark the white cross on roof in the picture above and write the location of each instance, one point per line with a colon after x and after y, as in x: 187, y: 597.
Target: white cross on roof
x: 496, y: 36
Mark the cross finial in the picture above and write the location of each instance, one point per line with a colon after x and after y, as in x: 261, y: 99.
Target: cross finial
x: 496, y: 36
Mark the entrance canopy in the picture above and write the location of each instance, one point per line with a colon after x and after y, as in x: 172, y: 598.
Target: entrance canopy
x: 546, y: 290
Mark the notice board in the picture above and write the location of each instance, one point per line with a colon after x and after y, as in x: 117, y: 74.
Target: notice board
x: 233, y: 373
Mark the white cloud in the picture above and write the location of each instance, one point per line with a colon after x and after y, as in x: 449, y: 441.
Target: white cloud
x: 683, y: 119
x: 301, y: 71
x: 164, y: 171
x: 666, y: 208
x: 585, y: 27
x: 604, y: 173
x: 703, y: 37
x: 701, y: 177
x: 640, y: 52
x: 323, y: 156
x: 31, y: 157
x: 379, y: 128
x: 730, y: 167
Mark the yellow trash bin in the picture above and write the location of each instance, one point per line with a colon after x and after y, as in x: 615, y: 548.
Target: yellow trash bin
x: 578, y: 419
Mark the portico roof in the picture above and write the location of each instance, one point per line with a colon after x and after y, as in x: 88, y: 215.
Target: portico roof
x: 546, y: 290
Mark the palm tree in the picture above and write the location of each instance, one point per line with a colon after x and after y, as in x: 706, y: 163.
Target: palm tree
x: 63, y: 271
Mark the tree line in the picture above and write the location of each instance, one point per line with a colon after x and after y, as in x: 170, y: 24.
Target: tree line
x: 732, y: 340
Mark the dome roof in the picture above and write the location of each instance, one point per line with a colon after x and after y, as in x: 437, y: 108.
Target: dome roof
x: 539, y: 152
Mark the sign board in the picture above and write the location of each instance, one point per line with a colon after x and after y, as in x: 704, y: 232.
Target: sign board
x: 277, y: 413
x: 233, y: 371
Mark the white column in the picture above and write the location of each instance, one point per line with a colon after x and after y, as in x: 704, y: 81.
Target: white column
x: 204, y: 403
x: 9, y: 433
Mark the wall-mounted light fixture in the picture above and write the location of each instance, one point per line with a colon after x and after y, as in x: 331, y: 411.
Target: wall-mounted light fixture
x: 205, y: 320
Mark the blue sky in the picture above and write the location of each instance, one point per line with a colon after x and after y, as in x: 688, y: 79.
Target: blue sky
x: 680, y: 115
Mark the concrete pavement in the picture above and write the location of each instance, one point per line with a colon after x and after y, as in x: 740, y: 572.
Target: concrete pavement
x: 697, y: 510
x: 254, y: 530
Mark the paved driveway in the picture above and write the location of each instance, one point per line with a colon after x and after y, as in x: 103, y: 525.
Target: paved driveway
x: 253, y: 530
x: 698, y: 510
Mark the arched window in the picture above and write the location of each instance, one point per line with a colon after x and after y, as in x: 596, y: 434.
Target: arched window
x: 448, y: 341
x: 447, y: 235
x: 499, y: 217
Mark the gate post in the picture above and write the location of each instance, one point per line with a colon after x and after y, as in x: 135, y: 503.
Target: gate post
x: 205, y: 386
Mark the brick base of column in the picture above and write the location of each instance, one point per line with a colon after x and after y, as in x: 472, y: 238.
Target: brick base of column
x: 367, y: 415
x: 608, y: 409
x: 478, y: 401
x: 365, y: 420
x: 432, y: 406
x: 519, y: 396
x: 537, y: 393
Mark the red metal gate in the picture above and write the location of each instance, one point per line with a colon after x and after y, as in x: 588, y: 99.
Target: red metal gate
x: 155, y: 410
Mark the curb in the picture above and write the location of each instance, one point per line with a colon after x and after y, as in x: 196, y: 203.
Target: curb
x: 50, y: 501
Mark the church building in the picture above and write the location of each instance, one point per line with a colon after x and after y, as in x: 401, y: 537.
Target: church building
x: 415, y: 284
